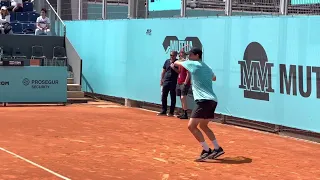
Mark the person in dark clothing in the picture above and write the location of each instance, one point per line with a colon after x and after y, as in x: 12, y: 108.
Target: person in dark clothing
x: 16, y: 6
x: 169, y: 77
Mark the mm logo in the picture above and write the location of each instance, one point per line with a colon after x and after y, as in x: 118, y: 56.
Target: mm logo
x: 256, y: 79
x: 172, y: 43
x: 4, y: 83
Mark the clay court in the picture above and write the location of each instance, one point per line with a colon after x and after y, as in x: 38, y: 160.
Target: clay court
x: 104, y: 141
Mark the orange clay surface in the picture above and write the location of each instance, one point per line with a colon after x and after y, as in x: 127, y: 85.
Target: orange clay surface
x: 103, y: 141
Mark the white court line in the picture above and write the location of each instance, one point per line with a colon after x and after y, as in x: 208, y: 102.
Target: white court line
x: 35, y: 164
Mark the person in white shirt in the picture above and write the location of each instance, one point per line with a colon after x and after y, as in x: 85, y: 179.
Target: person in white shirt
x: 4, y: 20
x: 43, y: 24
x: 16, y: 6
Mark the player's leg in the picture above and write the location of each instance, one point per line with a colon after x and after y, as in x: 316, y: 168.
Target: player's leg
x: 193, y: 127
x: 217, y: 151
x: 173, y: 97
x: 164, y: 96
x: 178, y: 92
x: 184, y: 94
x: 197, y: 116
x: 209, y: 109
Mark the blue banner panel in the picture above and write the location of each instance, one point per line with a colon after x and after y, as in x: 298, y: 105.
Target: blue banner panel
x: 163, y: 5
x: 267, y: 67
x: 33, y: 84
x: 299, y: 2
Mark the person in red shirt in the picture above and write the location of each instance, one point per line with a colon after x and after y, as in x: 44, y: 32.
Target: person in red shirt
x: 183, y: 86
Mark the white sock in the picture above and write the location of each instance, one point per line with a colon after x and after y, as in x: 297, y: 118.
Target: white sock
x: 215, y: 144
x: 204, y: 146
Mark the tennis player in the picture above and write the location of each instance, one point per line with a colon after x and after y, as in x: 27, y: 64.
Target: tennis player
x: 206, y: 102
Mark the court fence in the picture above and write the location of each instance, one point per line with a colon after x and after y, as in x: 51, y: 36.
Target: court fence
x: 267, y: 65
x: 123, y: 9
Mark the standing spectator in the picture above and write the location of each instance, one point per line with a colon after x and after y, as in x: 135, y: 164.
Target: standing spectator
x: 5, y: 27
x: 183, y: 85
x: 43, y: 24
x: 16, y: 6
x: 168, y: 82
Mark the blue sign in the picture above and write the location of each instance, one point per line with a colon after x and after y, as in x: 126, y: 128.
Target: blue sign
x: 33, y: 84
x: 299, y: 2
x: 164, y: 5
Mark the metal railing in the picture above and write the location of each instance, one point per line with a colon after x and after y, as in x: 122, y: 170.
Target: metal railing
x: 122, y: 9
x: 262, y: 6
x: 93, y: 9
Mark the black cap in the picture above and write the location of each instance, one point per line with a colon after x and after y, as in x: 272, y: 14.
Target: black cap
x: 195, y: 50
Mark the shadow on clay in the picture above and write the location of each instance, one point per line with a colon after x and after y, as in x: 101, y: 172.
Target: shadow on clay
x: 230, y: 160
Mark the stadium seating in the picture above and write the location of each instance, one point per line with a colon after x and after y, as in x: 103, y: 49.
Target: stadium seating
x: 17, y: 54
x: 5, y: 3
x: 12, y: 17
x: 33, y: 16
x: 27, y: 7
x: 16, y: 27
x: 37, y: 53
x: 22, y: 16
x: 28, y: 28
x: 59, y: 57
x: 23, y: 22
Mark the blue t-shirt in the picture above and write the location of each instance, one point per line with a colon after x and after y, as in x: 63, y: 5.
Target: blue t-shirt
x: 201, y: 77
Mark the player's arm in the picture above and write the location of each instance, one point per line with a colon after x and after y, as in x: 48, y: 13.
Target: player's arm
x: 187, y: 78
x: 176, y: 69
x: 178, y: 63
x: 188, y: 65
